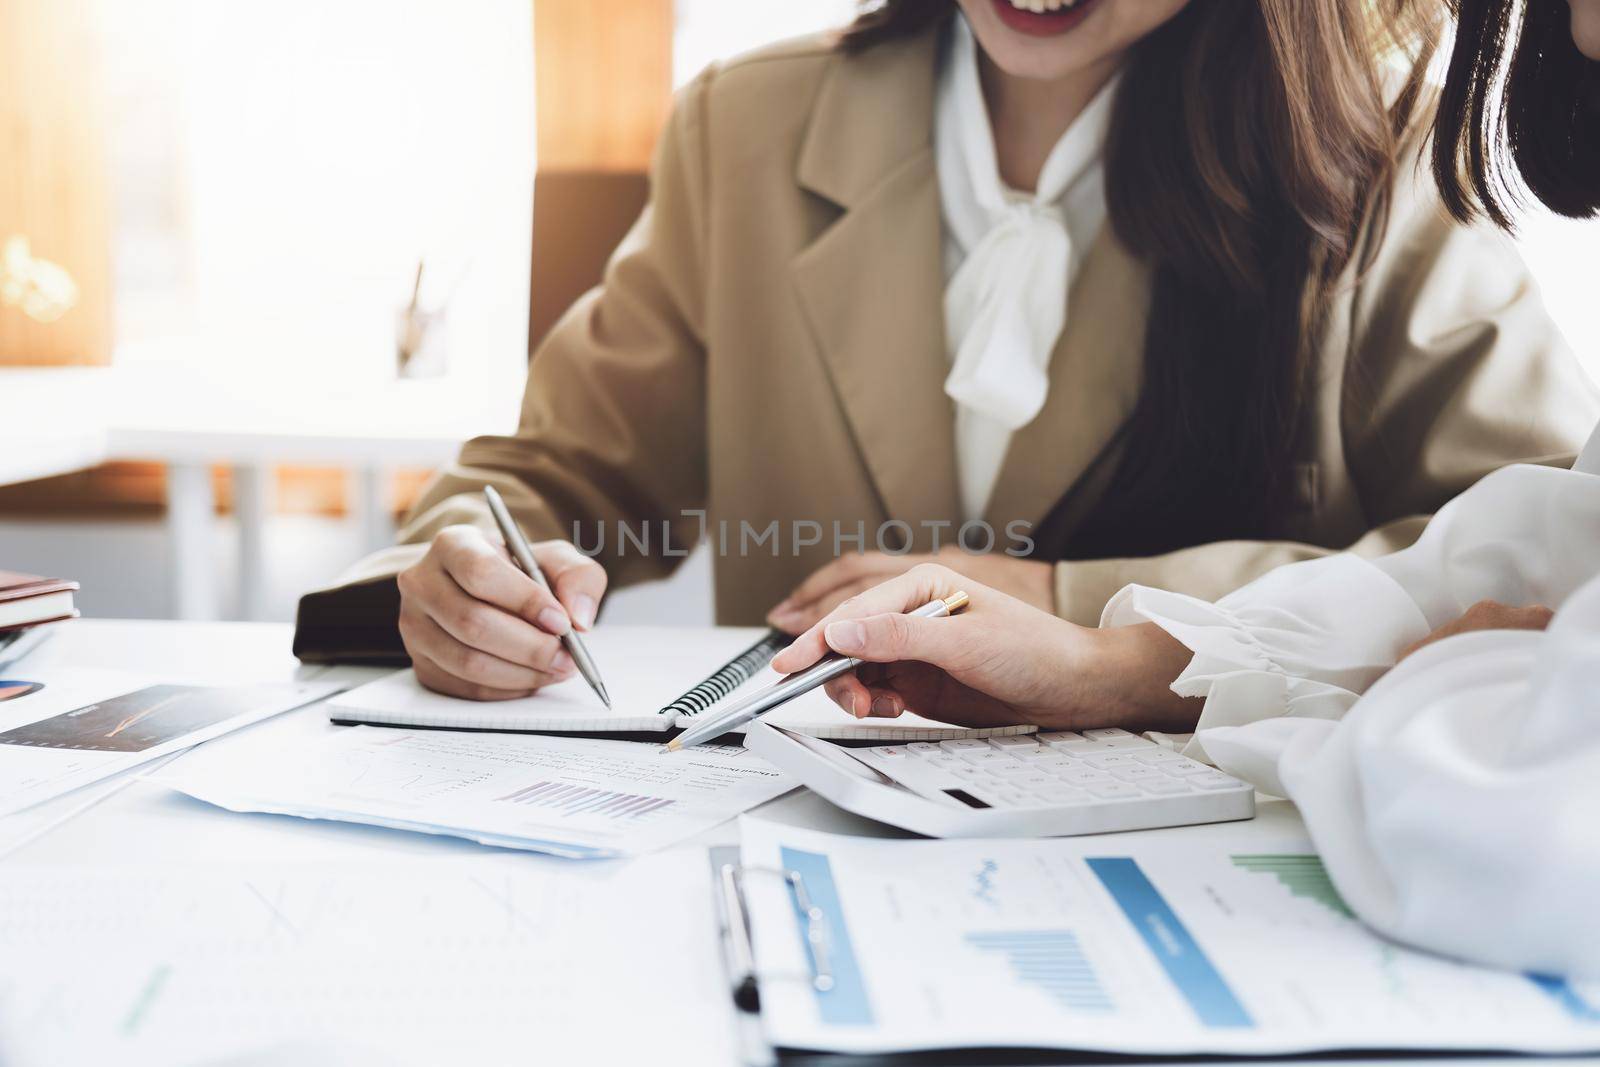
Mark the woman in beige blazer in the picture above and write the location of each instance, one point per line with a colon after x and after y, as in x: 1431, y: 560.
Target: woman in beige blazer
x: 1275, y: 345
x: 1520, y: 109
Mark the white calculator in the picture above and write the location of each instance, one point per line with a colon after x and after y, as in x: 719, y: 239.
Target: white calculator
x: 1040, y: 785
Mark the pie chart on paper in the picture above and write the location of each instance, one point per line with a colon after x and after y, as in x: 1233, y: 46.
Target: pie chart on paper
x: 11, y: 690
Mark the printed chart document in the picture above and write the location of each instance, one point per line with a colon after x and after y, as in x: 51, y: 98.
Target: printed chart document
x: 570, y: 796
x: 59, y: 734
x: 1095, y: 944
x: 484, y: 959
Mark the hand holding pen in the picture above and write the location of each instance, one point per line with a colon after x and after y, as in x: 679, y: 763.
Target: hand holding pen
x: 522, y: 553
x: 477, y: 626
x: 1001, y: 662
x: 742, y: 712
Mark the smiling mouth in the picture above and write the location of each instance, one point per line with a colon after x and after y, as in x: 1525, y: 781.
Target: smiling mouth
x: 1043, y: 18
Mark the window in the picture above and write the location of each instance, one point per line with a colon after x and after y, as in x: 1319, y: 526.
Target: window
x: 281, y: 168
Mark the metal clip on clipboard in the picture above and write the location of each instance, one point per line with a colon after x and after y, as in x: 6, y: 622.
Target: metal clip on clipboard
x: 739, y: 952
x: 755, y: 1049
x: 736, y: 919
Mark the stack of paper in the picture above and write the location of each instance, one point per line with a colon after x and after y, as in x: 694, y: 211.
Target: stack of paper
x: 474, y: 959
x: 568, y: 796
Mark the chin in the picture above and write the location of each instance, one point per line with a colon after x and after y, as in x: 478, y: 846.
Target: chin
x: 1038, y: 64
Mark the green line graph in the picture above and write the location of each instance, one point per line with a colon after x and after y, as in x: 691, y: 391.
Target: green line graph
x: 1302, y: 875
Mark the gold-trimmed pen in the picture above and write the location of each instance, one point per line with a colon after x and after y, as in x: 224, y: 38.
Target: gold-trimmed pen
x: 781, y: 692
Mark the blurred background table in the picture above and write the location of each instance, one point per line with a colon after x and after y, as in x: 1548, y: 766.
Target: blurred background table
x: 67, y: 419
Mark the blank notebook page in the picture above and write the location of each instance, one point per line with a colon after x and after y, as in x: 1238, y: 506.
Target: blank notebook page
x: 644, y: 669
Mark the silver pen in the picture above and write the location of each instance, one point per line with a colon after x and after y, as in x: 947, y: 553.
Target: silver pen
x: 743, y: 711
x: 520, y: 551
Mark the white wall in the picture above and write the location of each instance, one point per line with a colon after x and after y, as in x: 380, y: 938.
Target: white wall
x: 281, y: 167
x: 1565, y: 257
x: 709, y: 30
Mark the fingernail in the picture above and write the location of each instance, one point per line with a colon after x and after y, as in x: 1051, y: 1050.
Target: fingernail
x: 583, y: 610
x: 846, y: 636
x: 553, y: 620
x: 882, y: 706
x: 562, y: 663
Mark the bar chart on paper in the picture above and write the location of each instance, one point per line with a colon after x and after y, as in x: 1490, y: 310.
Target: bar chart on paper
x: 1051, y: 961
x: 1303, y: 876
x: 1162, y: 949
x: 571, y: 796
x: 572, y: 799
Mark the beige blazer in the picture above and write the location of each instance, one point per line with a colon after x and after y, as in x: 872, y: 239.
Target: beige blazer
x: 767, y: 346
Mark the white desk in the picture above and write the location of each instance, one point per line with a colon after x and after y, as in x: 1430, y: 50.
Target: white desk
x: 145, y: 824
x: 60, y: 420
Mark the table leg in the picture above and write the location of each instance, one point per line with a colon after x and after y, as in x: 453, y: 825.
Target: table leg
x: 252, y: 486
x: 191, y: 510
x: 373, y: 500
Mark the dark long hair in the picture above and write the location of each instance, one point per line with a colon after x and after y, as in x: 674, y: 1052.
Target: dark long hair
x: 1544, y: 128
x: 1251, y: 141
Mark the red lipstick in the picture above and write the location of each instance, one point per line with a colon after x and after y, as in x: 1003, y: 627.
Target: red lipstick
x: 1043, y: 23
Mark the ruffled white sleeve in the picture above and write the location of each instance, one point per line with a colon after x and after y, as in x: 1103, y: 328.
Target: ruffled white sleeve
x: 1522, y: 535
x: 1455, y: 807
x: 1589, y: 459
x: 1307, y: 640
x: 1303, y: 641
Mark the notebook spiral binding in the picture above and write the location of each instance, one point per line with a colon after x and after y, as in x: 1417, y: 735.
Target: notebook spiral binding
x: 730, y: 676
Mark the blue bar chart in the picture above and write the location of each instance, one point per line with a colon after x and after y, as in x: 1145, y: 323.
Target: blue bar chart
x: 1170, y: 942
x: 1052, y: 961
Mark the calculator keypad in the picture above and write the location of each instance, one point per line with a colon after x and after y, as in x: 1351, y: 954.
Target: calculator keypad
x: 1051, y: 769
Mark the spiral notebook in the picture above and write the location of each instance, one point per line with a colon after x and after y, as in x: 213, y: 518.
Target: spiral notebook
x: 659, y: 678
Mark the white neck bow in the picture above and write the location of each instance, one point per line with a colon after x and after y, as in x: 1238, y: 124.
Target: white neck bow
x: 1007, y: 303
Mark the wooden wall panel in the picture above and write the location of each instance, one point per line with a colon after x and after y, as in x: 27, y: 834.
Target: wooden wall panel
x: 603, y: 71
x: 603, y: 78
x: 54, y: 188
x: 131, y: 490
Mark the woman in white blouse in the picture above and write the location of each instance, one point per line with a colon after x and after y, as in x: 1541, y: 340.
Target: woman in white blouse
x: 1455, y: 798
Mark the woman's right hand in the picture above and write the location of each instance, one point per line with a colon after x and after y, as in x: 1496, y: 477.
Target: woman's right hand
x: 1000, y: 662
x: 477, y: 627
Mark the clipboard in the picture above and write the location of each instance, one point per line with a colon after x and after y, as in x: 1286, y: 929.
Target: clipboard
x: 728, y: 877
